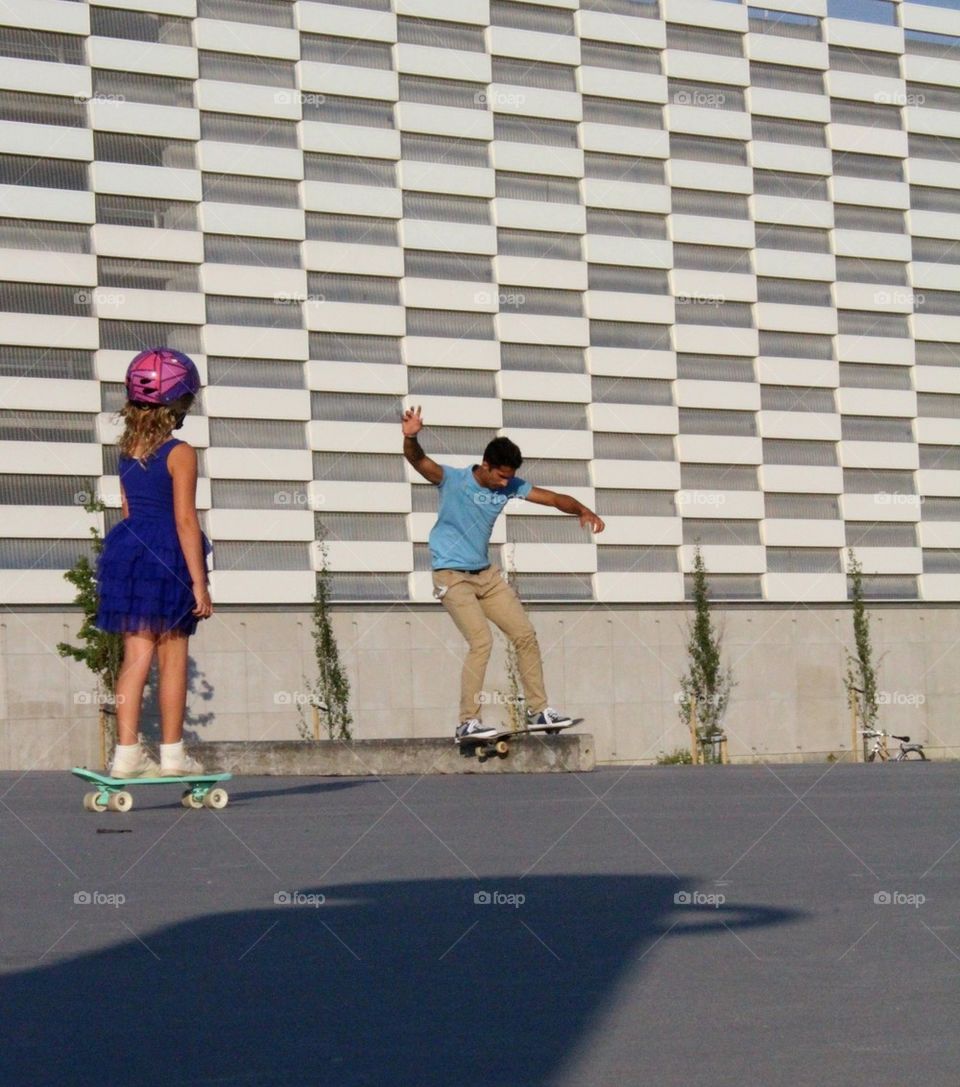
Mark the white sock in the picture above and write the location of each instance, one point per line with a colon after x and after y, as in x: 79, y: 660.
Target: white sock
x: 126, y: 754
x: 171, y: 754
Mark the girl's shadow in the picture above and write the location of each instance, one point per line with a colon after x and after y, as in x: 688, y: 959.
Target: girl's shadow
x: 199, y: 689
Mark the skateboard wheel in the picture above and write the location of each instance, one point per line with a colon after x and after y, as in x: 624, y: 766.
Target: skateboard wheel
x: 121, y: 801
x: 552, y: 731
x: 91, y: 802
x: 216, y: 799
x: 501, y: 747
x: 188, y: 800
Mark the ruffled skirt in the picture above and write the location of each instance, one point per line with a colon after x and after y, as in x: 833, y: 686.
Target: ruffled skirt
x: 143, y: 581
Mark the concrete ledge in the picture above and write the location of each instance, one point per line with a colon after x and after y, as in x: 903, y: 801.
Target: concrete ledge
x: 529, y: 754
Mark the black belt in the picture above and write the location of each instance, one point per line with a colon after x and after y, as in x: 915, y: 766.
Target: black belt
x: 457, y: 570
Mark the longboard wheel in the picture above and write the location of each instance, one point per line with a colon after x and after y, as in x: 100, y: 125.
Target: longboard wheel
x: 121, y: 801
x: 91, y: 802
x: 188, y: 800
x: 216, y: 799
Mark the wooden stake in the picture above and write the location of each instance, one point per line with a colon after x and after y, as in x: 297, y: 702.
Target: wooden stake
x: 694, y: 745
x: 855, y: 739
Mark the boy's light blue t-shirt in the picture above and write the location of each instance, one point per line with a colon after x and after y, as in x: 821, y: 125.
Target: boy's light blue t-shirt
x: 466, y: 515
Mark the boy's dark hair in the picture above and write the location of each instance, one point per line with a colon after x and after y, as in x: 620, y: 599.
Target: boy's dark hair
x: 503, y: 453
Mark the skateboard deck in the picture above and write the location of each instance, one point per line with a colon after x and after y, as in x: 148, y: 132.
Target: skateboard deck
x: 499, y: 742
x: 111, y: 794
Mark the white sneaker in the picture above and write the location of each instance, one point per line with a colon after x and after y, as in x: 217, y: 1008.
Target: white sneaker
x: 184, y: 767
x: 547, y: 718
x: 143, y: 766
x: 474, y: 729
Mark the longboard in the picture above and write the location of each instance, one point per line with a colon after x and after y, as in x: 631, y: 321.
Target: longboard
x: 499, y: 742
x: 203, y: 790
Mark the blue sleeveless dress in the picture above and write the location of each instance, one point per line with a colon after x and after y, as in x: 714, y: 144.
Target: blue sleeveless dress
x: 143, y: 580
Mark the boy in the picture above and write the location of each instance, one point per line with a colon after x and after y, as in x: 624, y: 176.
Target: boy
x: 465, y: 582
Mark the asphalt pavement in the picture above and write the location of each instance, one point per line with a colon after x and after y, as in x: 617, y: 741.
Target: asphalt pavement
x: 686, y: 927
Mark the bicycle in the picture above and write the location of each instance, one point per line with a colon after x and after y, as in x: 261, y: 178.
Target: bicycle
x: 879, y: 750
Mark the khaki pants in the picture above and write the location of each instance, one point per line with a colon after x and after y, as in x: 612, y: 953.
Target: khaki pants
x: 472, y: 599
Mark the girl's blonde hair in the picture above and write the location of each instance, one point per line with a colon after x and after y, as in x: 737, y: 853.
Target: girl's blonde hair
x: 148, y: 426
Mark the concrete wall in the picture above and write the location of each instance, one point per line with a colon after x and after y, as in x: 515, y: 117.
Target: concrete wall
x: 617, y: 667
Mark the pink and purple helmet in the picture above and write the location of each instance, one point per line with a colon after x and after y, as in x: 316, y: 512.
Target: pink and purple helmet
x: 161, y: 375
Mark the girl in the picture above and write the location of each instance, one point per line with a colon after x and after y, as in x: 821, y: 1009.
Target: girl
x: 151, y: 573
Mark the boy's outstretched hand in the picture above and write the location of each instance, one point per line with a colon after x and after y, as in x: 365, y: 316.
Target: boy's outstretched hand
x: 588, y: 519
x: 412, y: 423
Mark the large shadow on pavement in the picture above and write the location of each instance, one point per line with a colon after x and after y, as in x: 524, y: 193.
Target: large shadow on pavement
x: 402, y: 984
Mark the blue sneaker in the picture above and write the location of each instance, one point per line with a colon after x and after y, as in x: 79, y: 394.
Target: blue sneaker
x: 547, y: 718
x: 474, y: 728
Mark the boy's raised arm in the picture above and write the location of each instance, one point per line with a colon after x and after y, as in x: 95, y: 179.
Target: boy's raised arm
x: 412, y: 425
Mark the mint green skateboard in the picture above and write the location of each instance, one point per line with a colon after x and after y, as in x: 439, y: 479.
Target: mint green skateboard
x: 203, y: 790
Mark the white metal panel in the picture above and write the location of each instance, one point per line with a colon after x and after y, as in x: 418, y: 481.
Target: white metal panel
x: 240, y: 463
x: 646, y: 475
x: 726, y: 558
x: 238, y: 403
x: 717, y: 449
x: 252, y: 39
x: 638, y: 587
x: 262, y: 586
x: 280, y: 523
x: 805, y: 588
